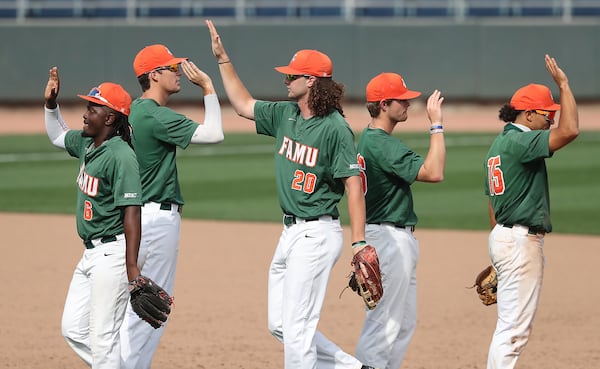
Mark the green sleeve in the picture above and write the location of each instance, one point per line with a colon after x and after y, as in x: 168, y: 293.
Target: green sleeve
x: 127, y: 188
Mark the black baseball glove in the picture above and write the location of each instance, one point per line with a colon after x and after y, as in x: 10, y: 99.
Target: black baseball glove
x: 149, y: 301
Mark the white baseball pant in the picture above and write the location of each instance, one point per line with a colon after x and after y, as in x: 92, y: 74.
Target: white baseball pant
x: 389, y: 327
x: 298, y: 278
x: 95, y: 305
x: 157, y: 260
x: 519, y: 261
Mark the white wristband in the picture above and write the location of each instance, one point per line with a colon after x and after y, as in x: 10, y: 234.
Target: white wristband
x: 436, y: 129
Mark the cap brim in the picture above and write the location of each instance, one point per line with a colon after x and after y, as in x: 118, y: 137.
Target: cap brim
x: 175, y: 61
x: 95, y: 100
x: 409, y: 95
x: 170, y: 62
x: 287, y: 70
x: 405, y: 96
x: 553, y: 107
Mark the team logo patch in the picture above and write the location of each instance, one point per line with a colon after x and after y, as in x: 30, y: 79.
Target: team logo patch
x: 130, y: 195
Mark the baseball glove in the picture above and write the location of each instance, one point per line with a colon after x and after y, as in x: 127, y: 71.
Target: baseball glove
x: 366, y: 277
x: 487, y: 285
x: 149, y: 301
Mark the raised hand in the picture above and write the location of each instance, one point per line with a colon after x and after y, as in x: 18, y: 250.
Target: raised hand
x: 434, y: 107
x: 557, y: 74
x: 197, y: 76
x: 217, y: 46
x: 52, y: 88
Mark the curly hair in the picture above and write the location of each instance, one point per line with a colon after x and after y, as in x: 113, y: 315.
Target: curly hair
x: 508, y: 114
x: 325, y: 96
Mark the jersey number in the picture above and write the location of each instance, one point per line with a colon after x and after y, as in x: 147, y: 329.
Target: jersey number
x: 362, y: 166
x: 87, y: 210
x: 304, y: 181
x: 495, y: 176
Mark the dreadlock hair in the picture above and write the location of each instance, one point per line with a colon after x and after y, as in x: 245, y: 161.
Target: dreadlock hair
x: 508, y: 114
x: 121, y: 127
x: 325, y: 96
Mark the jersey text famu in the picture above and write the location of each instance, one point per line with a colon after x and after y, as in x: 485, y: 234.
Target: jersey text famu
x: 108, y: 180
x: 311, y: 157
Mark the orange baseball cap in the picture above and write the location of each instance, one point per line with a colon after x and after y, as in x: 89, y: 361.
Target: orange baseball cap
x: 152, y: 57
x: 308, y: 62
x: 534, y: 96
x: 110, y: 94
x: 387, y: 86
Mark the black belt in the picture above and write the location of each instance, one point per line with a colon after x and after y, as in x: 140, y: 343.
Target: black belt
x: 288, y: 219
x: 530, y: 230
x: 397, y: 225
x: 166, y: 206
x: 90, y: 245
x: 169, y: 206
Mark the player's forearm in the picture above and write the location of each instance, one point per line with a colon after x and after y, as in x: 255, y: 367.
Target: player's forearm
x: 356, y: 208
x: 133, y: 232
x: 435, y: 161
x: 568, y: 125
x: 212, y: 129
x: 56, y: 128
x: 239, y: 97
x: 208, y: 89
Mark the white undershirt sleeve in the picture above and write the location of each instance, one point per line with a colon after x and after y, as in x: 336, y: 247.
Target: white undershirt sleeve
x: 212, y: 129
x: 56, y: 128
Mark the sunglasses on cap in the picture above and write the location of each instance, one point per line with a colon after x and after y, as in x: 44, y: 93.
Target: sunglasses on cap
x: 95, y: 93
x: 293, y: 77
x: 173, y: 68
x: 548, y: 115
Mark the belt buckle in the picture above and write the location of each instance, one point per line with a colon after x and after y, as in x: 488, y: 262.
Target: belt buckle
x: 288, y: 220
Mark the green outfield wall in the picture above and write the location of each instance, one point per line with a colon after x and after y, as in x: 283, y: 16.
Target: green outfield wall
x: 485, y: 61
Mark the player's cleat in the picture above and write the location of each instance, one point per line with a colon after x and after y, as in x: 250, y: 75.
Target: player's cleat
x: 367, y: 367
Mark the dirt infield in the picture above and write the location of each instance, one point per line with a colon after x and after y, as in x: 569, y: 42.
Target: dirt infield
x: 219, y: 319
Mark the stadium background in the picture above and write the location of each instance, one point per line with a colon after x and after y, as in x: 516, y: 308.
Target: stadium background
x: 220, y: 314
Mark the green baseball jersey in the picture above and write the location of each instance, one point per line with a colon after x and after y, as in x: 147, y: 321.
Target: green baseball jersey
x: 108, y: 180
x: 517, y: 180
x: 157, y: 132
x: 311, y: 157
x: 388, y: 169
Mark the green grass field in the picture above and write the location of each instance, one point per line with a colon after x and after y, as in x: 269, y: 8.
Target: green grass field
x: 235, y: 181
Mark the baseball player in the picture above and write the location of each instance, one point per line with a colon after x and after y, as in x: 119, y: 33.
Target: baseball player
x: 315, y: 161
x: 519, y: 208
x: 388, y: 168
x: 108, y: 219
x: 158, y: 131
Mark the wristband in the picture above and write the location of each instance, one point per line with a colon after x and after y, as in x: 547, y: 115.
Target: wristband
x: 359, y: 244
x: 224, y: 61
x: 436, y: 129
